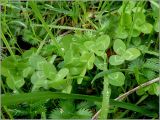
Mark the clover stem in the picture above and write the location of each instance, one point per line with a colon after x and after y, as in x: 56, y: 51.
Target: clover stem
x: 106, y: 94
x: 105, y: 100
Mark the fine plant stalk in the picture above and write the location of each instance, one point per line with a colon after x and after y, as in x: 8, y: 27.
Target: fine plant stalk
x: 133, y: 23
x: 9, y: 32
x: 64, y: 27
x: 105, y: 100
x: 43, y: 116
x: 41, y: 45
x: 138, y: 102
x: 37, y: 13
x: 2, y: 116
x: 106, y: 94
x: 121, y: 97
x: 8, y: 113
x: 2, y: 85
x: 7, y: 45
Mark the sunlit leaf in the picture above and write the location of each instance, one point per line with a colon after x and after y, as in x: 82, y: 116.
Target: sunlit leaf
x: 140, y: 18
x: 99, y: 62
x: 119, y: 46
x: 15, y: 82
x: 131, y: 54
x: 90, y: 45
x: 27, y: 71
x: 146, y: 28
x: 37, y: 61
x: 102, y: 42
x: 121, y: 33
x: 49, y: 70
x: 116, y: 60
x: 62, y: 74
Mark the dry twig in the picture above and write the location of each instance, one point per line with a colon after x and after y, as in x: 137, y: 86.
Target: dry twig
x: 121, y: 97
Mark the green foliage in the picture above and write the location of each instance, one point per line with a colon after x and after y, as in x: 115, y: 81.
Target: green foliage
x: 123, y: 53
x: 72, y: 45
x: 145, y: 71
x: 152, y: 63
x: 29, y: 37
x: 68, y: 110
x: 116, y: 78
x: 12, y: 70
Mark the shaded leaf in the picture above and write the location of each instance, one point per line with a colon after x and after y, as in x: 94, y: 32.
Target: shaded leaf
x: 116, y: 78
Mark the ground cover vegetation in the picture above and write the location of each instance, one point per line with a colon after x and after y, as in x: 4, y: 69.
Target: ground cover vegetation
x: 78, y: 59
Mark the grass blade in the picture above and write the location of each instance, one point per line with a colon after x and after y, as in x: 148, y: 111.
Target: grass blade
x: 10, y: 99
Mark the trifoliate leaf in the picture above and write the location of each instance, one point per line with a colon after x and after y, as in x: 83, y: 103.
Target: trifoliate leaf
x: 138, y: 9
x: 102, y: 42
x: 62, y: 74
x: 28, y: 53
x: 146, y: 28
x: 136, y: 41
x: 143, y: 48
x: 66, y: 42
x: 121, y: 33
x: 140, y: 18
x: 15, y: 82
x: 116, y: 60
x: 49, y: 70
x: 38, y: 76
x: 88, y: 59
x: 116, y: 78
x: 38, y: 80
x: 99, y: 62
x: 131, y: 54
x: 37, y: 61
x: 128, y: 7
x: 119, y: 46
x: 90, y: 62
x: 59, y: 84
x: 27, y: 71
x: 75, y: 70
x: 82, y: 74
x: 135, y: 33
x: 90, y: 45
x: 126, y: 20
x: 47, y: 50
